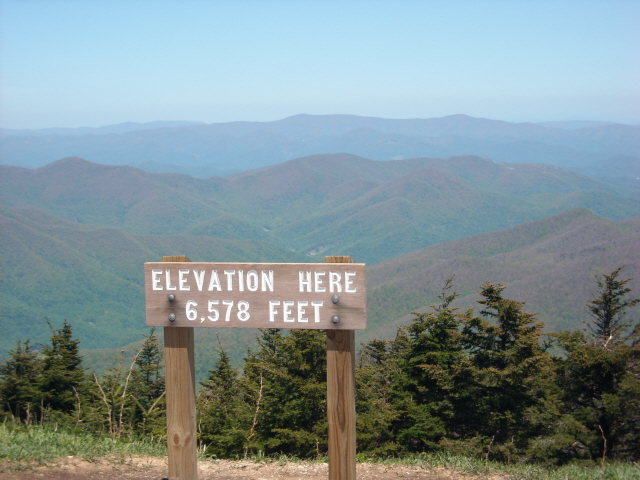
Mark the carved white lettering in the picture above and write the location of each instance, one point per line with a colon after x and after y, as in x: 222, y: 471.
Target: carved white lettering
x: 199, y: 276
x: 267, y: 281
x: 167, y: 275
x: 334, y: 282
x: 155, y: 279
x: 241, y: 280
x: 286, y: 311
x: 272, y: 311
x: 302, y: 311
x: 214, y: 281
x: 318, y: 281
x: 305, y: 281
x: 316, y: 310
x: 229, y: 274
x: 348, y: 282
x: 182, y: 280
x: 252, y: 280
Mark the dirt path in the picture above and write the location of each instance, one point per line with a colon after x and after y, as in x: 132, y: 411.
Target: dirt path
x: 148, y: 468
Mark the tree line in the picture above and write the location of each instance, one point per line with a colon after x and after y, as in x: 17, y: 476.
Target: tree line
x: 491, y: 384
x: 48, y: 384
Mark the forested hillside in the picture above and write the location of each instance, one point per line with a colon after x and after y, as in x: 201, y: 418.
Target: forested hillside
x: 475, y: 164
x: 481, y: 382
x: 546, y: 263
x: 92, y: 276
x: 75, y: 235
x: 339, y: 203
x: 482, y: 279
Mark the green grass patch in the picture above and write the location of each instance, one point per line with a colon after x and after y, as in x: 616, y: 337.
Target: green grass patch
x: 23, y: 447
x: 489, y: 469
x: 35, y: 445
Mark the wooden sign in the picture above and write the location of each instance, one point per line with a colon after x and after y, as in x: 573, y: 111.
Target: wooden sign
x: 256, y: 295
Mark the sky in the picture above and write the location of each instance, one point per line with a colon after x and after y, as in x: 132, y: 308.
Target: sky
x: 81, y: 63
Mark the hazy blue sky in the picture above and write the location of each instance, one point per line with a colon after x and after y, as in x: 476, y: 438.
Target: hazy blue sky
x: 91, y: 63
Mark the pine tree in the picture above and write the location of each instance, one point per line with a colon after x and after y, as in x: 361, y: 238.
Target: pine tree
x: 285, y: 385
x: 503, y: 391
x: 147, y: 388
x: 608, y: 309
x: 19, y: 383
x: 223, y: 416
x: 433, y: 348
x: 379, y: 403
x: 600, y: 375
x: 63, y: 376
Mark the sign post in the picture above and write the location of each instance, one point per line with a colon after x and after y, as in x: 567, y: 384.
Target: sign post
x: 181, y: 295
x: 341, y: 398
x: 182, y: 448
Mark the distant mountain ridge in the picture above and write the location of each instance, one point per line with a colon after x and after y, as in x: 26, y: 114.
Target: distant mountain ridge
x: 548, y: 263
x: 343, y: 203
x: 575, y: 124
x: 221, y: 148
x: 74, y: 234
x: 107, y: 129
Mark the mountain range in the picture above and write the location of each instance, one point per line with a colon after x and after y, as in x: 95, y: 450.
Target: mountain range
x: 542, y: 207
x: 107, y: 129
x: 593, y: 148
x: 344, y: 204
x: 74, y: 235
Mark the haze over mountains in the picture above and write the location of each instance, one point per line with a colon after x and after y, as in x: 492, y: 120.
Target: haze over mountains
x: 107, y: 129
x: 598, y: 148
x: 76, y: 231
x: 74, y: 235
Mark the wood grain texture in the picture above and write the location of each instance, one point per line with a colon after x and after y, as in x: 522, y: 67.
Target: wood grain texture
x: 175, y: 258
x: 341, y: 398
x: 256, y: 295
x: 181, y: 398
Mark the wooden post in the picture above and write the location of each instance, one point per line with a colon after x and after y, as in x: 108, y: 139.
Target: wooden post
x: 181, y: 398
x: 341, y: 398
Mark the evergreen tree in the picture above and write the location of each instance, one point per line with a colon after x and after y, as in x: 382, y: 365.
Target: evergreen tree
x: 129, y: 397
x: 433, y: 348
x: 63, y: 376
x: 223, y: 416
x: 503, y: 392
x: 379, y: 402
x: 19, y: 382
x: 608, y: 309
x: 600, y: 375
x: 285, y: 385
x: 147, y: 388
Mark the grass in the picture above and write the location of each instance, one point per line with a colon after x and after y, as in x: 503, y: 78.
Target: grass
x: 26, y: 446
x: 481, y: 469
x: 22, y: 447
x: 488, y: 469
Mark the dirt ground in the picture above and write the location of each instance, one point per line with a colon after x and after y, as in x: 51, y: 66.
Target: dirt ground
x: 147, y: 468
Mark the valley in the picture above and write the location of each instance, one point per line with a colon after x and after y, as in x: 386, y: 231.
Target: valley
x: 75, y: 234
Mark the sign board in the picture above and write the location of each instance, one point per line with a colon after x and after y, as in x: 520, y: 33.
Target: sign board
x: 329, y: 296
